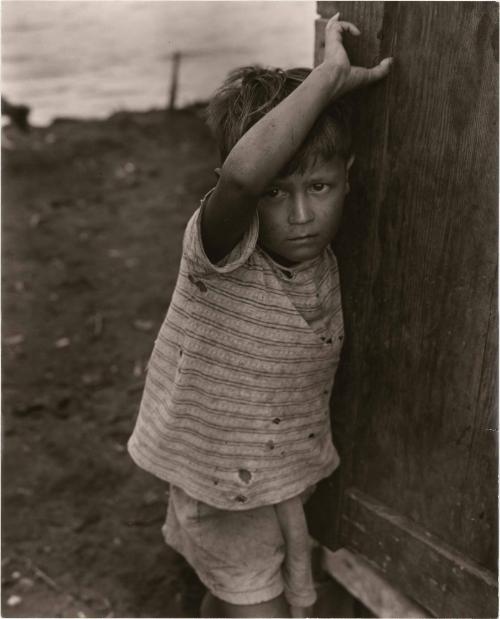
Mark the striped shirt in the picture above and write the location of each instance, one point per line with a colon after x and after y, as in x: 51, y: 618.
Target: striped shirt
x: 235, y: 408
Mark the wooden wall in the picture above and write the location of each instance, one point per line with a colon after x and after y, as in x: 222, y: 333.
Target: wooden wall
x: 414, y: 408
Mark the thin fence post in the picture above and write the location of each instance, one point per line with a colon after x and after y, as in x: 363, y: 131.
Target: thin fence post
x: 174, y: 80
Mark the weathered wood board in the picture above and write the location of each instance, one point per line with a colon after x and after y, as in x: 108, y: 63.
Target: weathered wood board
x: 414, y: 407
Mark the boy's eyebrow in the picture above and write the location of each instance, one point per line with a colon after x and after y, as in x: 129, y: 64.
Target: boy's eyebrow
x: 325, y: 174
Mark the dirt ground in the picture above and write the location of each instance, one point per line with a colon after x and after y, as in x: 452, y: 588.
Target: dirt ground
x: 93, y: 216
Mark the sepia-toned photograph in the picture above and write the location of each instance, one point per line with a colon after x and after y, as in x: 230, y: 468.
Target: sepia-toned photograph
x: 249, y: 308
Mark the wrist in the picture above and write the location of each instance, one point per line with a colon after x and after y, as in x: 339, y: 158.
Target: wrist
x: 333, y: 76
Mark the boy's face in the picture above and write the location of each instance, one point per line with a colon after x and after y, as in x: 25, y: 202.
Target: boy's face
x: 299, y: 214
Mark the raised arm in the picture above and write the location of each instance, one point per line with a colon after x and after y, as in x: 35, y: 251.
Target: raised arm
x: 267, y: 146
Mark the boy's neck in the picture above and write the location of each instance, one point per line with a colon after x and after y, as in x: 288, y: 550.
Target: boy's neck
x: 284, y: 262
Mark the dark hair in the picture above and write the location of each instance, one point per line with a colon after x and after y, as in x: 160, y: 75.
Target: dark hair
x: 250, y: 92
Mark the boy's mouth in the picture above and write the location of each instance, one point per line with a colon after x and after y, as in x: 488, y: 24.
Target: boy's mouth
x: 303, y: 237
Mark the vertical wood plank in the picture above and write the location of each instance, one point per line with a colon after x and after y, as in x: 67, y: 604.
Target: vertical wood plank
x: 414, y: 402
x: 358, y: 228
x: 432, y: 274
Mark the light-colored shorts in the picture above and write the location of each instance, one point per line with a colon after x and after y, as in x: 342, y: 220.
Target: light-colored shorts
x: 238, y: 555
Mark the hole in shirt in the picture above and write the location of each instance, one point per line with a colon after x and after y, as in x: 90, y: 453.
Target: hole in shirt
x: 276, y: 420
x: 329, y: 340
x: 245, y: 476
x: 288, y: 274
x: 241, y: 498
x: 201, y: 286
x: 312, y: 435
x: 341, y: 337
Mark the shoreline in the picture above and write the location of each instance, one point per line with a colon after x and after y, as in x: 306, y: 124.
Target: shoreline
x: 195, y: 107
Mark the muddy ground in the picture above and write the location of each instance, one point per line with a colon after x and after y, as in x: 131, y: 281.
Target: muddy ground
x: 93, y: 216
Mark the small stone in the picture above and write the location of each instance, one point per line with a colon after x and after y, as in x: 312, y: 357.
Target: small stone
x: 138, y: 369
x: 26, y: 583
x: 90, y: 378
x: 14, y: 340
x: 16, y: 575
x: 62, y: 342
x: 143, y: 325
x: 130, y: 263
x: 35, y: 219
x: 14, y: 600
x: 19, y: 286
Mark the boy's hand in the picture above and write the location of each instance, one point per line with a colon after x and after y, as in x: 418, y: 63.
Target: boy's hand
x: 336, y: 58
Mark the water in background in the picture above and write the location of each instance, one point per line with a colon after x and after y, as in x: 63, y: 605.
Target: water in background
x: 92, y: 58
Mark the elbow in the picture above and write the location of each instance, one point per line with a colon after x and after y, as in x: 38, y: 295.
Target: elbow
x: 242, y: 181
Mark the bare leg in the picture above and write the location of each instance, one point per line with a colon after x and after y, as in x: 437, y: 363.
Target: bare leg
x: 213, y: 607
x: 297, y: 569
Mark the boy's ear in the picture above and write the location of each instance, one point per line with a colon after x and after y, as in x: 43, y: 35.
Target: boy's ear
x: 349, y: 163
x: 217, y: 173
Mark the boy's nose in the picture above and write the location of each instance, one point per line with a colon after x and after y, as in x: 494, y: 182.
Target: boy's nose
x: 300, y: 210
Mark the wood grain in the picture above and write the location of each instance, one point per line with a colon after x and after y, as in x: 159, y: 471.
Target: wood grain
x: 451, y: 584
x: 414, y: 405
x: 367, y: 584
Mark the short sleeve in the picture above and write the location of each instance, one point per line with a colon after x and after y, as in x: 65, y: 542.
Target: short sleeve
x: 194, y: 252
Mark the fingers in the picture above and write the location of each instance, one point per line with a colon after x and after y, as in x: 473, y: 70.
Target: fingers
x: 379, y: 71
x: 334, y: 24
x: 360, y: 76
x: 348, y: 27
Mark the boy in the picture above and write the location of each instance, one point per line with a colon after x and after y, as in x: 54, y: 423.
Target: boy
x: 235, y: 413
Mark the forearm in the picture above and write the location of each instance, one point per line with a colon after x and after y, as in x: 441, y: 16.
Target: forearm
x: 262, y: 152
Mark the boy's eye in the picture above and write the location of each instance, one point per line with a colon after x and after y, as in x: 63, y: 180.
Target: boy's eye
x: 274, y: 192
x: 319, y: 187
